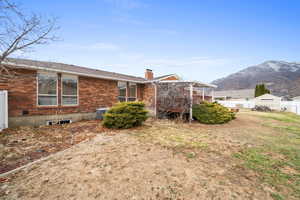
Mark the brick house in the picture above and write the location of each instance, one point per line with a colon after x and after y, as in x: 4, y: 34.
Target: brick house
x: 48, y: 91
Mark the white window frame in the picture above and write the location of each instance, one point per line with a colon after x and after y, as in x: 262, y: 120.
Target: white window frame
x: 61, y: 90
x: 126, y: 93
x: 136, y: 88
x: 45, y: 95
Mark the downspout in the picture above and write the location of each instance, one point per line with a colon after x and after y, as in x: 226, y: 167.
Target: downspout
x: 191, y: 103
x: 155, y: 99
x: 126, y: 98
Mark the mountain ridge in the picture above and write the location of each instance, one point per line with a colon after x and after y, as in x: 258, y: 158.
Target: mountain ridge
x: 281, y: 77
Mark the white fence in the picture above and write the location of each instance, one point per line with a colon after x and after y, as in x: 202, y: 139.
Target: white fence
x: 290, y: 106
x: 3, y: 110
x: 239, y: 104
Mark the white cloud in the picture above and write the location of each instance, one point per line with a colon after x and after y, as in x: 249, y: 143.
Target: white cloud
x: 100, y: 46
x: 103, y: 46
x: 189, y: 68
x: 185, y: 62
x: 125, y: 19
x: 126, y: 4
x: 121, y: 10
x: 111, y: 57
x: 131, y: 56
x: 161, y: 31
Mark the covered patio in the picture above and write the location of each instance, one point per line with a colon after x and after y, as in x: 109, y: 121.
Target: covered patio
x: 176, y: 97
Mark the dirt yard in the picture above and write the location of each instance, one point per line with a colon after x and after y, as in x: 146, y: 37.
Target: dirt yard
x: 256, y: 156
x: 25, y: 144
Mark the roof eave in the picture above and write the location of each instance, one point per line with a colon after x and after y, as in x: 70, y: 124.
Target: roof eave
x: 70, y: 72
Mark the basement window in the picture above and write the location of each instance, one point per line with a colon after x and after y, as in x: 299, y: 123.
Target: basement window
x: 64, y: 121
x: 69, y: 90
x: 47, y: 89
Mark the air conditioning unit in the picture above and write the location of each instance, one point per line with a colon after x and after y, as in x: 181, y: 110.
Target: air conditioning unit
x: 100, y: 112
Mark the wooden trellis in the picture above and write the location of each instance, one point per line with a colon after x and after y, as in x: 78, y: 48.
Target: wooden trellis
x: 177, y: 97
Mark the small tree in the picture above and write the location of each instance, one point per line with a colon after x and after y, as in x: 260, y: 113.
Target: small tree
x: 261, y: 89
x: 256, y: 91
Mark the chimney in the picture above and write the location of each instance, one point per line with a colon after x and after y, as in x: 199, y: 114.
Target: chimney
x: 149, y: 74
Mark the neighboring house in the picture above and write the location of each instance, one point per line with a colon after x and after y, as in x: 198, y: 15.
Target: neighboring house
x: 296, y: 98
x: 269, y: 100
x: 169, y: 77
x: 42, y: 92
x: 238, y: 95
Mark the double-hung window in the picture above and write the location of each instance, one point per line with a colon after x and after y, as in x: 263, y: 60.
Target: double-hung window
x: 69, y: 93
x: 127, y: 91
x: 47, y: 89
x: 132, y: 92
x: 122, y: 86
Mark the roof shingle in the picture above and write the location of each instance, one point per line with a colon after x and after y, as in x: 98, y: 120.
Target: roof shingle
x: 72, y: 69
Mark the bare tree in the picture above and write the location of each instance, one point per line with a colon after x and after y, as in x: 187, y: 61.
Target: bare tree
x: 20, y: 32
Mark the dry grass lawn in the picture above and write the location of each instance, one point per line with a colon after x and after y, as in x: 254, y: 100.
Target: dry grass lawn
x: 256, y: 156
x: 23, y: 145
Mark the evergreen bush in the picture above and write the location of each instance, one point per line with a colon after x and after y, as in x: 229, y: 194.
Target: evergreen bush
x: 212, y: 113
x: 125, y: 115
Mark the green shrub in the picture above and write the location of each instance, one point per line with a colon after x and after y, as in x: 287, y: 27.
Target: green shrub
x: 212, y: 113
x: 125, y: 115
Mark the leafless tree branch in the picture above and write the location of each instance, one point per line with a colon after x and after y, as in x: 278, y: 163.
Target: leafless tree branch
x: 173, y: 100
x: 20, y: 31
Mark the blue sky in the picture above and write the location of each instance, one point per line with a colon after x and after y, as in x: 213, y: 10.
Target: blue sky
x: 197, y: 39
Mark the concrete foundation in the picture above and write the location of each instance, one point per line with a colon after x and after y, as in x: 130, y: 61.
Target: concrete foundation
x: 39, y: 120
x: 151, y: 111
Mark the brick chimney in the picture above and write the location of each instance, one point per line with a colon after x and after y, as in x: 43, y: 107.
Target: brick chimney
x: 149, y: 74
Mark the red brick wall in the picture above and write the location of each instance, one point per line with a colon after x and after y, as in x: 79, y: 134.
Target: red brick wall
x: 93, y: 93
x: 148, y: 95
x: 3, y: 85
x: 140, y: 88
x: 21, y: 92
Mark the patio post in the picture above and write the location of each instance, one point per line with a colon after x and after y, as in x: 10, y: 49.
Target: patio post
x: 191, y: 106
x: 155, y: 100
x: 203, y: 98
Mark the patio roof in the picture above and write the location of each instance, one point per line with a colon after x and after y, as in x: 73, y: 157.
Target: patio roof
x: 194, y: 83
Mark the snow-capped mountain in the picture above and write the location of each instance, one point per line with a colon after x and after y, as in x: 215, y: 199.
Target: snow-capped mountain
x: 282, y: 78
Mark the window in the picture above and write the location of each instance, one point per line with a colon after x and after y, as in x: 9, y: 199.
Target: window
x: 127, y: 93
x: 132, y: 92
x: 47, y: 89
x: 122, y: 86
x: 69, y: 90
